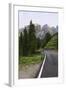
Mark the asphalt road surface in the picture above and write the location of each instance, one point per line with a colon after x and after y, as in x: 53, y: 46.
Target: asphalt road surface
x: 50, y: 68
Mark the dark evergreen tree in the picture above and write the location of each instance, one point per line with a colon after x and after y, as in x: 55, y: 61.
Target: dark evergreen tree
x: 46, y: 39
x: 32, y: 38
x: 21, y: 44
x: 25, y: 43
x: 38, y: 43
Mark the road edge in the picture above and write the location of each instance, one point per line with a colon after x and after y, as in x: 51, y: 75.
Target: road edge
x: 39, y: 75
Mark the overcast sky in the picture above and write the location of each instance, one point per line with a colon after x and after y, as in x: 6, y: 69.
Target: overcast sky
x: 37, y: 18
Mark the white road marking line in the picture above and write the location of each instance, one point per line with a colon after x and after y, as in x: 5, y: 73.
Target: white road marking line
x: 42, y: 67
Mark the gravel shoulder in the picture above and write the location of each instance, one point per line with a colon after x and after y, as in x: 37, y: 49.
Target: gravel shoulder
x: 28, y: 71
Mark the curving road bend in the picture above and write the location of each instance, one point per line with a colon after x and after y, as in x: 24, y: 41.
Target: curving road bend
x: 50, y: 68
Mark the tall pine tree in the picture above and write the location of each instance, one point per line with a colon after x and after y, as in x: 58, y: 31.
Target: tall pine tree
x: 32, y: 38
x: 21, y: 44
x: 45, y: 40
x: 25, y: 43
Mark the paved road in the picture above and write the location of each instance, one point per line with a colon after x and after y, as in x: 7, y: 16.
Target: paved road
x: 50, y: 68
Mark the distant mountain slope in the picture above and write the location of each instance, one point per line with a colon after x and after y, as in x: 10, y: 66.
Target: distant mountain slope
x: 41, y: 32
x: 46, y: 29
x: 53, y: 43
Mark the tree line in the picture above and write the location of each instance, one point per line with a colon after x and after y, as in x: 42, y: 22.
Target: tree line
x: 29, y: 43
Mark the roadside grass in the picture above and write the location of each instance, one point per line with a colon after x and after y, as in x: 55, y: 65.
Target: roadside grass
x: 33, y: 59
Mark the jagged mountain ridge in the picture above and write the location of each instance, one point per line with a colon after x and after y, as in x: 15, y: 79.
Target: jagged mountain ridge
x: 41, y: 32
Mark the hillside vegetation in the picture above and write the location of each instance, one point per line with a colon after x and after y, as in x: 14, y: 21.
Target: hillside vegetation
x: 53, y: 42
